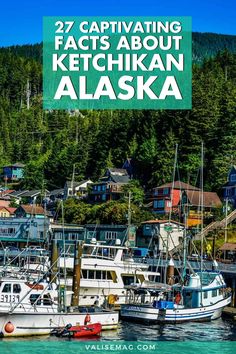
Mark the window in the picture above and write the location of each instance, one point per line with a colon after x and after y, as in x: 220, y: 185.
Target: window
x: 16, y: 288
x: 111, y: 235
x: 214, y: 293
x: 205, y: 294
x: 7, y: 288
x: 35, y: 299
x: 47, y: 300
x: 166, y: 191
x: 91, y: 274
x: 84, y: 273
x: 233, y: 178
x: 104, y: 197
x: 127, y: 279
x: 98, y: 274
x: 160, y: 203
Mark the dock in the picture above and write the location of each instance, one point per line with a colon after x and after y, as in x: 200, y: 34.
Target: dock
x: 229, y: 312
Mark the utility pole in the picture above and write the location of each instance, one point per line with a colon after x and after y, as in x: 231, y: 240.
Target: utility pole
x: 73, y: 180
x: 226, y: 223
x: 28, y: 93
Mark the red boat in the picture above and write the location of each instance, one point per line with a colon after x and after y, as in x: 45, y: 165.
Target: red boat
x: 80, y: 331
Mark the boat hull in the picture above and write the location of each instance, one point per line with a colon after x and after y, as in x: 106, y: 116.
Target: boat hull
x: 26, y: 324
x: 149, y: 314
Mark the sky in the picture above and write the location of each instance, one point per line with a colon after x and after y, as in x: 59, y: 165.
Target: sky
x: 21, y: 20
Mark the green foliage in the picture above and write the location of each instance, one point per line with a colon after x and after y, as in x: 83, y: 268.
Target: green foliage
x: 50, y: 143
x: 137, y: 192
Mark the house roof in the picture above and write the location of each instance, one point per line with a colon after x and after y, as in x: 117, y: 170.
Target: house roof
x: 57, y: 191
x: 33, y: 193
x: 8, y: 191
x: 17, y: 164
x: 228, y: 247
x: 120, y: 179
x: 118, y: 171
x: 32, y: 209
x: 11, y: 210
x: 68, y: 184
x: 17, y: 193
x: 210, y: 199
x: 178, y: 185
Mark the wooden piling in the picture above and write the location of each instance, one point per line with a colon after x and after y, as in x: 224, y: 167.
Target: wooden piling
x: 76, y: 274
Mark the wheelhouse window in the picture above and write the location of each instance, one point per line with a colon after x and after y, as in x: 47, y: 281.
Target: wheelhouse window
x: 205, y: 295
x: 47, y: 300
x: 128, y: 279
x: 35, y: 299
x: 16, y: 288
x: 7, y: 288
x: 214, y: 293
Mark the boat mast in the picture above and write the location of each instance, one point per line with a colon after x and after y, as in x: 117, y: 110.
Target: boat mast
x: 64, y: 251
x: 170, y: 212
x: 202, y: 213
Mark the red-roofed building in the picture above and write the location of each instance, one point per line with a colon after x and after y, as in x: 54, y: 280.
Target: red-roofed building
x: 7, y: 212
x: 162, y: 195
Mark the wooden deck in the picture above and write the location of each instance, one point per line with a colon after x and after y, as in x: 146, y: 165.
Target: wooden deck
x: 229, y: 312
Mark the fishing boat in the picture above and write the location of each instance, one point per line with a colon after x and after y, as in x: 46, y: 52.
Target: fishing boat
x: 88, y: 330
x: 199, y: 295
x: 202, y: 298
x: 36, y: 308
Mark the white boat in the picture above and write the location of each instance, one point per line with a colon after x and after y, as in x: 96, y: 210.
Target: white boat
x: 107, y: 270
x: 38, y: 308
x: 201, y: 299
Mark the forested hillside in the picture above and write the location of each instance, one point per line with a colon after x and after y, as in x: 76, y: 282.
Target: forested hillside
x: 49, y: 143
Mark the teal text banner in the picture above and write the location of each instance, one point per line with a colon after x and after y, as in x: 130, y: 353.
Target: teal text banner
x: 117, y: 63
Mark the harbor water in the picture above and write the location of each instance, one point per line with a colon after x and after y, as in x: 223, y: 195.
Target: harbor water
x: 208, y: 337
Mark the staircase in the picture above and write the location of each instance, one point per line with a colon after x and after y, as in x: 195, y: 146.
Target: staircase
x: 216, y: 225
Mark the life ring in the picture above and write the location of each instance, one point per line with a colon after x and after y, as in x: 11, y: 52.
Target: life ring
x: 9, y: 327
x: 87, y: 319
x: 177, y: 298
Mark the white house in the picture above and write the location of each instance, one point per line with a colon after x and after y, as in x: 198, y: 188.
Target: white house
x: 161, y: 233
x: 77, y: 189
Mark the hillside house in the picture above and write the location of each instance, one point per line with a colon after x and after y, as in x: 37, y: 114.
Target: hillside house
x: 229, y: 189
x: 7, y: 212
x: 193, y: 200
x: 162, y: 195
x: 14, y: 172
x: 27, y: 211
x: 154, y: 234
x: 77, y: 189
x: 110, y: 186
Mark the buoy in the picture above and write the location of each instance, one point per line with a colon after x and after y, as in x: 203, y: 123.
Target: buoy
x: 87, y: 319
x: 9, y: 328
